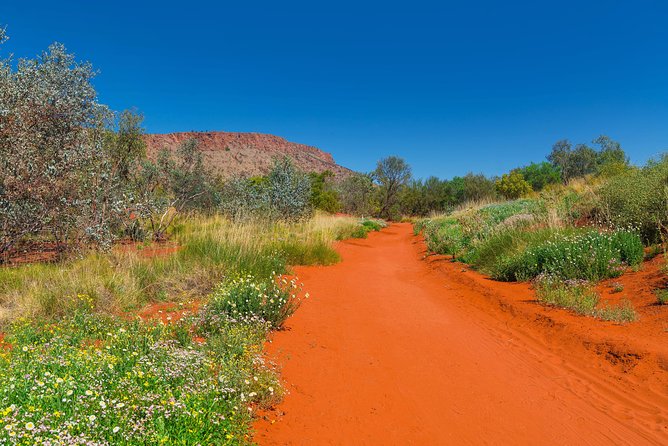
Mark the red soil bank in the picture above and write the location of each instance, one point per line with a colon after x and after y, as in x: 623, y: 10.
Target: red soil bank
x: 395, y: 349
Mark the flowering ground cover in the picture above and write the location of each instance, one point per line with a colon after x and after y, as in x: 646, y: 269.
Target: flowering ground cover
x: 85, y: 376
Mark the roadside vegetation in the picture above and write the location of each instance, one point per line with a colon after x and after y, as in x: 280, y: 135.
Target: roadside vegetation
x: 597, y: 218
x: 96, y: 240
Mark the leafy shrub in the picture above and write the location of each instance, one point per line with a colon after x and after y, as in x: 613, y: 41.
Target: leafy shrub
x: 373, y: 225
x: 505, y: 242
x: 284, y: 194
x: 638, y: 198
x: 586, y: 255
x: 323, y: 193
x: 539, y: 175
x: 357, y: 195
x: 513, y: 185
x: 444, y: 236
x: 247, y: 299
x: 51, y: 150
x: 661, y: 296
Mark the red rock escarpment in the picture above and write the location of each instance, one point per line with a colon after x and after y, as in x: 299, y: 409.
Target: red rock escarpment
x: 246, y: 154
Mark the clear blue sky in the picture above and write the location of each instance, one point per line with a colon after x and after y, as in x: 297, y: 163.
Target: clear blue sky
x: 452, y: 87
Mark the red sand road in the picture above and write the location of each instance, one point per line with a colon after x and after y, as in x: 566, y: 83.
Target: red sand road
x: 393, y: 350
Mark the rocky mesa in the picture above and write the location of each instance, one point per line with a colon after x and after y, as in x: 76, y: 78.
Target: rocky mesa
x: 246, y: 154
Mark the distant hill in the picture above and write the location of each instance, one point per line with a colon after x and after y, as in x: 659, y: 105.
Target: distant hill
x: 246, y: 154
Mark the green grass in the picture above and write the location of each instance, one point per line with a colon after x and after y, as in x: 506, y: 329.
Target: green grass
x: 513, y: 242
x: 95, y: 379
x: 577, y: 296
x: 72, y: 372
x: 588, y: 254
x: 580, y: 297
x: 210, y: 249
x: 458, y: 233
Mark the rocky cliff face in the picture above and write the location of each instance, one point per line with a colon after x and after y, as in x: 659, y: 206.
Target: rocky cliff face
x: 246, y: 154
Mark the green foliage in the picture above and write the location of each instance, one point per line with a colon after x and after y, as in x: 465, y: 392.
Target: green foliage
x: 392, y: 174
x: 539, y: 175
x: 422, y: 197
x: 51, y: 150
x: 477, y: 187
x: 366, y: 226
x: 580, y: 297
x: 284, y: 194
x: 460, y: 234
x: 589, y: 255
x: 101, y: 380
x: 289, y: 191
x: 513, y: 185
x: 357, y: 195
x: 247, y: 299
x: 583, y: 160
x: 661, y: 296
x: 575, y: 295
x: 323, y: 193
x: 638, y: 198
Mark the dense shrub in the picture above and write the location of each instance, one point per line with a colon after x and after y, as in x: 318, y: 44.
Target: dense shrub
x: 589, y: 255
x: 540, y: 175
x: 583, y: 160
x: 51, y: 149
x: 461, y: 232
x: 638, y: 198
x: 357, y: 195
x: 513, y: 185
x: 284, y: 194
x: 323, y: 193
x: 419, y: 198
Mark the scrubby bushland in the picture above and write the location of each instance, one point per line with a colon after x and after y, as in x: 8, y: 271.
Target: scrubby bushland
x: 171, y: 185
x: 357, y: 195
x: 284, y: 194
x: 77, y: 373
x: 510, y: 241
x: 324, y: 195
x: 638, y: 198
x: 420, y: 198
x: 583, y: 160
x: 211, y: 247
x: 456, y: 234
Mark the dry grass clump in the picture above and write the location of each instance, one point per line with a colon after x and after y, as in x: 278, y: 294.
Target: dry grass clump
x: 209, y: 248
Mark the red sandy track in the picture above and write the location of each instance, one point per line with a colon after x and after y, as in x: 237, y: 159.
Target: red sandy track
x: 395, y: 350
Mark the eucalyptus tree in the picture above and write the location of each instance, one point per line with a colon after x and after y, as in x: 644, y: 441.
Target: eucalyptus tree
x: 391, y: 174
x: 53, y: 162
